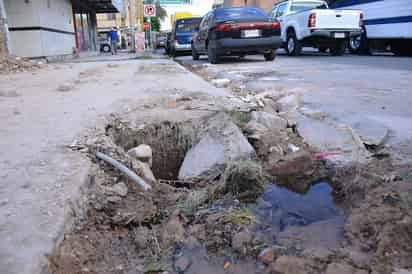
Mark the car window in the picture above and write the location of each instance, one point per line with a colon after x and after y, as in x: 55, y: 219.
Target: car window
x: 187, y: 25
x: 307, y: 5
x: 280, y: 10
x: 223, y: 14
x: 274, y: 11
x: 205, y: 21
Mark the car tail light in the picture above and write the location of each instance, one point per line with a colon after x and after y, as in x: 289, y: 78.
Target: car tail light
x: 223, y: 27
x: 275, y: 25
x: 361, y: 20
x: 312, y: 20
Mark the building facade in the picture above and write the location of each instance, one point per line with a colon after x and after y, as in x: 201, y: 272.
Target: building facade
x: 3, y: 30
x: 43, y: 28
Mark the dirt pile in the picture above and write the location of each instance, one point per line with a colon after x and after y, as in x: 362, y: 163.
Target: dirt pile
x: 11, y: 64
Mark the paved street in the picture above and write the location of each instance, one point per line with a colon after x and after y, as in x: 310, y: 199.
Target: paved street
x: 367, y: 91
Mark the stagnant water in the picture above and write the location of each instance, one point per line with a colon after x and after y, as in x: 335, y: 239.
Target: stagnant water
x: 310, y: 220
x: 285, y: 218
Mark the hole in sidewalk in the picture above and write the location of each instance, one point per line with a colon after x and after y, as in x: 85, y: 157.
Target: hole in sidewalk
x: 169, y: 141
x: 124, y: 235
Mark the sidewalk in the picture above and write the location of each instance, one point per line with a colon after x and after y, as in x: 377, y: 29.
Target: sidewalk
x: 39, y: 174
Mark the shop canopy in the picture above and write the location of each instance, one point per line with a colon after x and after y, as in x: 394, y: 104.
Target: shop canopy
x: 98, y: 6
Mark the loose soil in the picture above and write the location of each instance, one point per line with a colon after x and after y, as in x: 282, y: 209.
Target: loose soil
x: 314, y: 219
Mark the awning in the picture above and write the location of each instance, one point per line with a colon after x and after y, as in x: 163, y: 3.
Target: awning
x: 98, y: 6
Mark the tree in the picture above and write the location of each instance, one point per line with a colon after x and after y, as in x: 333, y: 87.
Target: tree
x: 155, y: 23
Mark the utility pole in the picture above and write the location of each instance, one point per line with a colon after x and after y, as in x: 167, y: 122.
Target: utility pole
x: 132, y: 21
x: 4, y: 27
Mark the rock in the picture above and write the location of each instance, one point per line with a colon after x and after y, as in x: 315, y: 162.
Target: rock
x: 269, y: 121
x: 120, y: 189
x: 141, y: 237
x: 291, y: 164
x: 172, y: 232
x: 65, y: 87
x: 314, y: 114
x: 142, y: 153
x: 241, y: 240
x: 144, y: 171
x: 289, y: 265
x: 221, y: 142
x: 343, y: 268
x: 289, y: 103
x: 220, y: 83
x: 267, y: 255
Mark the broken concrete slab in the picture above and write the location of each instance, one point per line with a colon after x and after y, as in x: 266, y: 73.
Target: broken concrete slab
x: 340, y: 142
x: 371, y: 132
x: 221, y: 142
x: 269, y: 120
x: 289, y: 103
x: 221, y: 83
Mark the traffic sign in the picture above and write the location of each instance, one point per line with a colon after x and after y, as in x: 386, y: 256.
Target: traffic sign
x: 149, y: 10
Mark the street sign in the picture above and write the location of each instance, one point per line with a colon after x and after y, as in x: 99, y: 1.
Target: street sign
x: 149, y: 10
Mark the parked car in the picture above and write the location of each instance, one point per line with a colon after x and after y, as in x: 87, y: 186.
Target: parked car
x: 168, y: 44
x: 104, y: 45
x: 181, y: 39
x: 160, y: 41
x: 236, y: 31
x: 387, y: 25
x: 310, y: 23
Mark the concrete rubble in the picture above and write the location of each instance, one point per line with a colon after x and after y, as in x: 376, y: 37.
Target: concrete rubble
x: 13, y: 64
x: 221, y: 142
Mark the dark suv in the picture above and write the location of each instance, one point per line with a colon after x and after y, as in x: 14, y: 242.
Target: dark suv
x: 182, y: 34
x: 236, y: 31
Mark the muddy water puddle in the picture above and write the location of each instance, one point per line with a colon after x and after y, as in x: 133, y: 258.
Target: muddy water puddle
x: 291, y: 221
x: 310, y: 220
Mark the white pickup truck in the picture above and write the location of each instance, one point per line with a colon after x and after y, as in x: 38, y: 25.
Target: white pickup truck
x: 310, y: 23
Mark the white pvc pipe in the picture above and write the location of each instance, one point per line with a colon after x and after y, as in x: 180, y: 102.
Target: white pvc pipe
x: 133, y: 176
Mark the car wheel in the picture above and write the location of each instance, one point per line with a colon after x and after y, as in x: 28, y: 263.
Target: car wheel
x: 323, y: 49
x: 106, y: 48
x: 359, y: 44
x: 293, y: 46
x: 401, y: 49
x: 270, y: 56
x: 339, y: 48
x: 195, y: 55
x: 212, y: 55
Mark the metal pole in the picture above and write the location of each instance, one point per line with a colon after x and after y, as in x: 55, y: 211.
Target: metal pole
x: 132, y: 22
x: 5, y: 26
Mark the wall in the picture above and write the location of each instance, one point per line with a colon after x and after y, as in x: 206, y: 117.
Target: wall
x: 3, y: 29
x: 40, y: 27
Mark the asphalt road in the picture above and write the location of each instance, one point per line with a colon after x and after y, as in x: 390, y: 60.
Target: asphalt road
x: 371, y: 90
